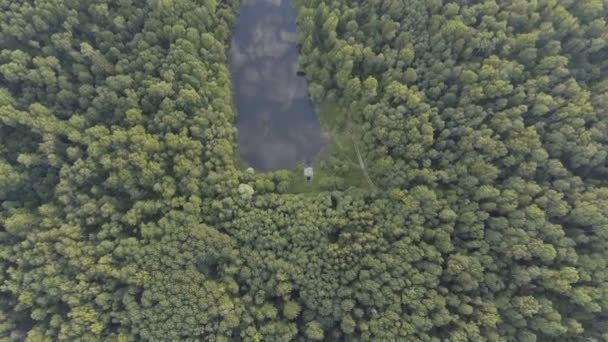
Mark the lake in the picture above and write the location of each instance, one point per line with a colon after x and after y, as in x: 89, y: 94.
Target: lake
x: 276, y: 121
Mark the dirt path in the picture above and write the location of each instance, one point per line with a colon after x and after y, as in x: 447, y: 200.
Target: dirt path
x: 362, y: 164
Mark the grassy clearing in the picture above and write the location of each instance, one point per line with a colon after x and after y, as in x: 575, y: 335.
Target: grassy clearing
x: 332, y: 116
x: 337, y: 166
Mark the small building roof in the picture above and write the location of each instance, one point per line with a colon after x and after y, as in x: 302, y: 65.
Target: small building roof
x: 308, y: 172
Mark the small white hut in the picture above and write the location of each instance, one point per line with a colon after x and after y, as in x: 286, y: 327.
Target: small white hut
x: 308, y: 173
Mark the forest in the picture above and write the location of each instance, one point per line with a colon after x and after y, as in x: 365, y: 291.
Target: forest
x: 124, y: 215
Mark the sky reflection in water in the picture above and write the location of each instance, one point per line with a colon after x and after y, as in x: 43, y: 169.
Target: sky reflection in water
x: 276, y: 121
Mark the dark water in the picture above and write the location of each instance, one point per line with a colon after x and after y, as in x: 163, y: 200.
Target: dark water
x: 276, y: 121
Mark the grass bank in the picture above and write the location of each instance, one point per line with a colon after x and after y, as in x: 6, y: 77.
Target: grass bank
x: 338, y: 166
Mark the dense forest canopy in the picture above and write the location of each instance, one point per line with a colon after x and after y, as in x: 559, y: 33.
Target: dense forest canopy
x: 124, y: 216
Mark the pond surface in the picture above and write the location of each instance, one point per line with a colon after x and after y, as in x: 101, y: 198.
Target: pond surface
x: 276, y: 121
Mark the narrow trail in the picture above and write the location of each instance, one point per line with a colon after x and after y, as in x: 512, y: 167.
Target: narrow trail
x: 362, y: 164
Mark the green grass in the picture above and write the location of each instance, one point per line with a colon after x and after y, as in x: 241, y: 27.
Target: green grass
x: 332, y: 116
x: 336, y: 167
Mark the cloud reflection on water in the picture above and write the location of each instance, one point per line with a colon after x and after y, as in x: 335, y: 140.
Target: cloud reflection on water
x: 276, y: 121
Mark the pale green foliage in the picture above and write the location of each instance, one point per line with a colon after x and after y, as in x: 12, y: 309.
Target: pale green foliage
x: 124, y: 216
